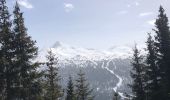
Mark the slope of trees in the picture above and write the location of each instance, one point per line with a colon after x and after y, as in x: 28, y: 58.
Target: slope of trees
x: 25, y: 50
x: 7, y: 53
x: 157, y: 72
x: 20, y: 78
x: 70, y: 90
x: 18, y: 74
x: 152, y: 71
x: 162, y: 43
x: 137, y: 74
x: 83, y: 91
x: 53, y: 90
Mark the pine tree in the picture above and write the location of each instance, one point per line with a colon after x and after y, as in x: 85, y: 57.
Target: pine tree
x: 138, y: 76
x: 25, y: 52
x: 152, y: 72
x: 7, y: 70
x: 82, y: 88
x: 70, y: 90
x: 116, y: 96
x: 53, y: 90
x: 162, y: 44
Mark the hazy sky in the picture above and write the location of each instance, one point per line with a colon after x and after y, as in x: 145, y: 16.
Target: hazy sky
x: 90, y: 23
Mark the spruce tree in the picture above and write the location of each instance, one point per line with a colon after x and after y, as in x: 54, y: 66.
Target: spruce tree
x: 83, y: 92
x: 70, y: 90
x: 53, y: 90
x: 116, y: 96
x: 7, y: 70
x: 162, y: 44
x: 138, y: 76
x: 152, y: 72
x: 25, y: 53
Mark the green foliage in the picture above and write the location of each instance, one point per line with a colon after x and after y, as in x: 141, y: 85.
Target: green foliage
x: 7, y: 54
x: 53, y: 90
x: 138, y: 75
x: 116, y: 96
x: 25, y: 51
x: 18, y: 75
x: 162, y: 44
x: 82, y: 88
x: 155, y: 84
x: 152, y: 72
x: 70, y: 90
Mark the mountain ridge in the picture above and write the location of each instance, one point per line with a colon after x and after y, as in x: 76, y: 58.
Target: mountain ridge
x: 107, y: 71
x: 64, y: 51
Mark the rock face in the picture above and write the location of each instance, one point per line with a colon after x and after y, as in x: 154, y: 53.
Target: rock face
x: 106, y: 71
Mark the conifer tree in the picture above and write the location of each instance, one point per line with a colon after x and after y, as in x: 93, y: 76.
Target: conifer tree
x: 152, y: 72
x: 53, y: 90
x: 116, y: 96
x: 162, y: 44
x: 70, y: 90
x: 138, y: 76
x: 25, y: 52
x: 83, y: 92
x: 7, y: 70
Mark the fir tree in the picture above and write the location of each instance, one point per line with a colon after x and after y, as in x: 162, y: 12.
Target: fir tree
x: 138, y: 76
x: 152, y: 71
x: 7, y: 70
x: 162, y: 44
x: 116, y: 96
x: 53, y: 90
x: 25, y: 52
x: 82, y: 88
x: 70, y: 90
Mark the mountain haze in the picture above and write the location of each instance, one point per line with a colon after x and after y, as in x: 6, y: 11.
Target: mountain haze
x: 107, y: 71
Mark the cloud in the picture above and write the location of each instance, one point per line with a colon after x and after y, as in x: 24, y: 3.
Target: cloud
x: 25, y: 4
x: 122, y: 12
x: 68, y: 7
x: 136, y: 3
x: 145, y: 14
x: 151, y: 22
x: 128, y: 5
x: 132, y: 4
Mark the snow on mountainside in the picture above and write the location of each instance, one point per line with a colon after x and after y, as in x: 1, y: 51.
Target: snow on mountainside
x: 107, y: 71
x: 64, y: 51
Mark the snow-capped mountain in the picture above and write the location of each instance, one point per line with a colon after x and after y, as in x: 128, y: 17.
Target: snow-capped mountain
x: 107, y: 70
x: 64, y: 51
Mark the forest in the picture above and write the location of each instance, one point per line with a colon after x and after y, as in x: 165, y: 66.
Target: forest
x: 22, y: 79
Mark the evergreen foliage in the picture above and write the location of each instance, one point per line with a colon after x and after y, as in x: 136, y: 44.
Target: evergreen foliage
x: 25, y: 52
x: 7, y: 68
x: 70, y: 90
x: 53, y: 90
x: 162, y: 44
x: 116, y: 96
x: 152, y: 71
x: 18, y: 75
x: 138, y: 75
x: 20, y: 79
x: 156, y: 82
x: 83, y: 92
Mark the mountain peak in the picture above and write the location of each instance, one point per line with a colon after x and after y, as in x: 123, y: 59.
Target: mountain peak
x: 57, y: 44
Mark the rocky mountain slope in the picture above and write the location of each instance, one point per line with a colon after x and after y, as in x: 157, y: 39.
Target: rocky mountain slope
x: 107, y: 71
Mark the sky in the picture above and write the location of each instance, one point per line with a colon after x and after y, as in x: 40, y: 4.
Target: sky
x: 96, y: 24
